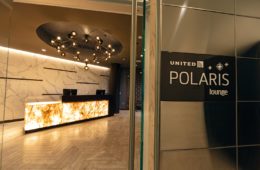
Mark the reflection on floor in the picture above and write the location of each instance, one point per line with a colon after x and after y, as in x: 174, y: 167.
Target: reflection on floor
x: 94, y: 145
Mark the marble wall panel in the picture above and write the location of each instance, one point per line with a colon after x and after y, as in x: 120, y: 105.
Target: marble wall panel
x: 21, y: 65
x: 2, y: 95
x: 17, y: 94
x: 3, y: 61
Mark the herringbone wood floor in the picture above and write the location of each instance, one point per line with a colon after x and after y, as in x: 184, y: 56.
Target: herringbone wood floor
x: 94, y: 145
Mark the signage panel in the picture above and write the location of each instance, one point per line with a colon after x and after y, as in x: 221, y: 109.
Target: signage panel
x: 197, y: 77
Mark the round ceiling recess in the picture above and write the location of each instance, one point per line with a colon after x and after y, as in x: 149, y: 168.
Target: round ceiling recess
x: 82, y: 42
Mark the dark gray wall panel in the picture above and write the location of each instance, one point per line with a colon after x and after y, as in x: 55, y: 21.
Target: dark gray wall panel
x: 188, y: 125
x: 199, y: 159
x: 248, y: 7
x: 219, y: 5
x: 194, y: 31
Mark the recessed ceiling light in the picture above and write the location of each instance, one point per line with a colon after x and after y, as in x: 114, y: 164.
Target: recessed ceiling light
x: 44, y: 50
x: 140, y: 37
x: 141, y: 55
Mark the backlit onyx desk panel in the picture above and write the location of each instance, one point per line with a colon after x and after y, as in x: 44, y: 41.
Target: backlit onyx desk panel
x: 40, y: 115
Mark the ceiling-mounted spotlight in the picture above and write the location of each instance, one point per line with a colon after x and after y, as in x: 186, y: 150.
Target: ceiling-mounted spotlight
x: 63, y: 54
x: 86, y: 60
x: 100, y: 41
x: 58, y: 51
x: 52, y: 42
x: 78, y: 52
x: 106, y: 59
x: 72, y: 35
x: 58, y: 47
x: 63, y: 46
x: 94, y: 59
x: 94, y: 54
x: 74, y: 44
x: 86, y: 67
x: 113, y: 50
x: 109, y: 46
x: 86, y: 38
x: 58, y: 38
x: 98, y: 38
x: 97, y: 47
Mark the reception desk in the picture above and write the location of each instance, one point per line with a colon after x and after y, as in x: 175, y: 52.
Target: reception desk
x: 69, y: 109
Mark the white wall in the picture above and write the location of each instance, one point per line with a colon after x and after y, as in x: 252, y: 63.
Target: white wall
x: 22, y: 65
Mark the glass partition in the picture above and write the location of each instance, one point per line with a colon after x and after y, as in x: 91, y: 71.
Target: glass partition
x: 54, y: 55
x: 5, y: 15
x: 204, y: 124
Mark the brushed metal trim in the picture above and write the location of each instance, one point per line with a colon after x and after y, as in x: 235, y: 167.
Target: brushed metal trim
x: 10, y: 121
x: 131, y: 161
x: 14, y: 78
x: 87, y: 83
x: 56, y: 69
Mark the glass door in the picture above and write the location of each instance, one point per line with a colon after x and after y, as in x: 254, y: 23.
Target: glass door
x: 56, y: 55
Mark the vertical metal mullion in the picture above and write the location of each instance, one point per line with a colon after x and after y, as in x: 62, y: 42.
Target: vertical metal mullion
x: 157, y: 85
x: 132, y: 86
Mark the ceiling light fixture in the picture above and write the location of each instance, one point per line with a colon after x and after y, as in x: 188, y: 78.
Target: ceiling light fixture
x: 68, y: 38
x: 86, y: 67
x: 59, y: 38
x: 73, y: 42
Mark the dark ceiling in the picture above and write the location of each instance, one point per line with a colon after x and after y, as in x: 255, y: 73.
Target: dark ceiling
x: 26, y: 18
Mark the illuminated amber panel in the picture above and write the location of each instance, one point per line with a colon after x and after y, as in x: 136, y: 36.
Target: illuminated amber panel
x: 40, y: 115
